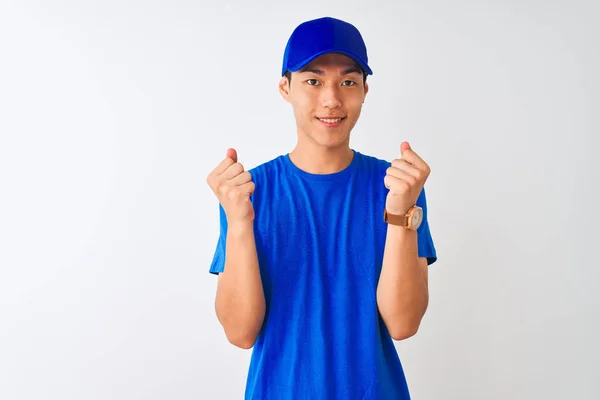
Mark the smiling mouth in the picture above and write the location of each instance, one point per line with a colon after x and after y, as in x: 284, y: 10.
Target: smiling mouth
x: 331, y: 120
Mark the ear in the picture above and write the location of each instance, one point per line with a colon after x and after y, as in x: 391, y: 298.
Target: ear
x: 284, y: 88
x: 366, y: 91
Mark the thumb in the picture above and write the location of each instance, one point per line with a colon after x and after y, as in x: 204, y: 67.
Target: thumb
x: 231, y: 153
x: 404, y: 146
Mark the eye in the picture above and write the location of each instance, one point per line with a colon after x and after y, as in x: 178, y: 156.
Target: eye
x: 312, y: 82
x: 348, y: 83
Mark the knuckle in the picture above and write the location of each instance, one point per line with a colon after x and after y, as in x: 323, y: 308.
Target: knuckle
x: 235, y: 169
x: 228, y: 163
x: 388, y: 182
x: 221, y: 190
x: 231, y: 194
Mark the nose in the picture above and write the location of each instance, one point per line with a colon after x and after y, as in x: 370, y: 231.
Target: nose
x: 330, y: 98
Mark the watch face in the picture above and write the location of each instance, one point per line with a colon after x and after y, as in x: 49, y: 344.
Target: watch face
x: 417, y: 217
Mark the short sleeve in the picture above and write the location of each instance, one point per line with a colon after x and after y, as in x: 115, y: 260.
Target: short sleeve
x: 218, y: 262
x: 424, y: 239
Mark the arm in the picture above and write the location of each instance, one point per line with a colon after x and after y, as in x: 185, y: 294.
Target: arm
x: 240, y: 301
x: 402, y: 291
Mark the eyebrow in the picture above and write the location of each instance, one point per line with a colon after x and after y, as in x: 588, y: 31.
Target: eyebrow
x: 317, y: 71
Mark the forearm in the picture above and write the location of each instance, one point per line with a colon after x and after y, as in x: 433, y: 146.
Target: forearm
x: 402, y: 293
x: 240, y: 302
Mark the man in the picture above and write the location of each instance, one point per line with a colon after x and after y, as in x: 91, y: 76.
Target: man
x: 323, y: 252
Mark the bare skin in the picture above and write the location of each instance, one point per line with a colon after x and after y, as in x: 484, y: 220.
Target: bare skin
x: 240, y: 301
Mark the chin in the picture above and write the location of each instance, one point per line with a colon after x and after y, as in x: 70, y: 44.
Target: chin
x: 331, y: 137
x: 326, y: 137
x: 331, y: 141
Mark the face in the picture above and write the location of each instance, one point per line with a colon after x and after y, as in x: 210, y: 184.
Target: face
x: 327, y: 97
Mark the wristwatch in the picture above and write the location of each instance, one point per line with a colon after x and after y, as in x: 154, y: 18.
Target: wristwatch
x: 410, y: 220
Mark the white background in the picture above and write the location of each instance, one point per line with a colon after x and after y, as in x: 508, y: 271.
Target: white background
x: 112, y: 114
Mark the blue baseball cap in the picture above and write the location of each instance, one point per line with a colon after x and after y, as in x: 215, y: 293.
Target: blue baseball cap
x: 316, y: 37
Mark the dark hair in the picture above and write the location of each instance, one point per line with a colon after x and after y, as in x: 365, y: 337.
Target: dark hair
x: 288, y: 75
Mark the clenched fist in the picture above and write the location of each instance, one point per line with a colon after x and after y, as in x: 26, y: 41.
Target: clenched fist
x: 233, y: 187
x: 405, y: 179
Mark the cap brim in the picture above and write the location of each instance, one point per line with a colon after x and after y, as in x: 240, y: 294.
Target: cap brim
x: 299, y: 65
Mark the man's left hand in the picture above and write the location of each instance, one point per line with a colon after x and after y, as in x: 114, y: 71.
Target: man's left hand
x: 405, y: 179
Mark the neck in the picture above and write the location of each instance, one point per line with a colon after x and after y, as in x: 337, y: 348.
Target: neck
x: 321, y: 160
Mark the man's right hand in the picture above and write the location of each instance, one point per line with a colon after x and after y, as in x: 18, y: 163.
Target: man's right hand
x: 233, y: 187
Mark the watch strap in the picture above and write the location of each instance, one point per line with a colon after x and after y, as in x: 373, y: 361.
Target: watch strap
x: 395, y: 219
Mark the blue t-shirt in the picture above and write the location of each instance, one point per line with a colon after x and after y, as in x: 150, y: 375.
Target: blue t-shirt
x: 320, y: 242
